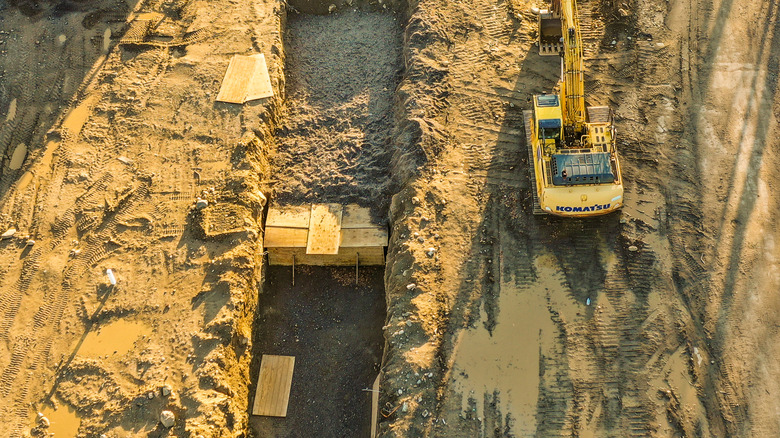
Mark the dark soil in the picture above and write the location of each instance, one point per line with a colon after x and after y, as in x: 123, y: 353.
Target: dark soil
x: 333, y: 327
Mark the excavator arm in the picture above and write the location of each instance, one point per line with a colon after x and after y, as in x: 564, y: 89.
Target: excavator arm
x: 559, y: 34
x: 572, y: 74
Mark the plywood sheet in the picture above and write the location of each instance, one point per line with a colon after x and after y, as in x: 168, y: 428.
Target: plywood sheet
x: 245, y: 75
x: 324, y: 229
x: 273, y: 386
x: 363, y: 237
x: 357, y: 217
x: 260, y: 85
x: 279, y: 237
x: 289, y: 217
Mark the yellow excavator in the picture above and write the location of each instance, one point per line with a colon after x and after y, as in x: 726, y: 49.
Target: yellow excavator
x: 571, y: 148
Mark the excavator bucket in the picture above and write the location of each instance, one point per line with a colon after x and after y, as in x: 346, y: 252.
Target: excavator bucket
x: 550, y: 33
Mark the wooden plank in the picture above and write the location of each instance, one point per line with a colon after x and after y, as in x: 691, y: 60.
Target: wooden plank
x: 259, y: 86
x: 363, y: 237
x: 374, y: 406
x: 324, y: 229
x: 370, y: 256
x: 234, y: 84
x: 278, y: 237
x: 273, y: 386
x: 357, y: 217
x: 289, y: 216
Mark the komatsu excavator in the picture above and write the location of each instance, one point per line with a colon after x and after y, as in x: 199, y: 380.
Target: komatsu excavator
x: 571, y: 148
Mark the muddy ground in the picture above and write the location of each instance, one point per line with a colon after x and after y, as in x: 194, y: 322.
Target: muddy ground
x: 513, y: 325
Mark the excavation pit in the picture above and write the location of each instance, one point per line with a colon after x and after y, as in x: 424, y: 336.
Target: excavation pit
x: 333, y: 327
x: 334, y: 142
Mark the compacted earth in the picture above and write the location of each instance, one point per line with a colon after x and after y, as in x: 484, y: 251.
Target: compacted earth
x: 135, y: 299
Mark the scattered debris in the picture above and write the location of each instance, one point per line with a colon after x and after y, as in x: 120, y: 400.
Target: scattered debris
x: 167, y: 419
x: 8, y: 234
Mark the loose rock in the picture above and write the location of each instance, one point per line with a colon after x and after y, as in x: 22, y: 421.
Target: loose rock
x: 8, y: 234
x: 167, y: 418
x: 201, y: 204
x: 633, y: 248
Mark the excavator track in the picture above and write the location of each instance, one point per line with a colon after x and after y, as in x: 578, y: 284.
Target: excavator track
x: 537, y: 209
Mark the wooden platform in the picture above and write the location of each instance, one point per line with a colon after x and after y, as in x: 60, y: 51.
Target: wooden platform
x: 246, y: 79
x: 324, y: 235
x: 273, y: 386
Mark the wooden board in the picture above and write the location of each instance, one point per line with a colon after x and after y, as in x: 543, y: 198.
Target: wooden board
x: 245, y: 75
x: 260, y: 85
x: 273, y: 386
x: 373, y: 256
x: 363, y: 237
x: 289, y: 217
x: 374, y: 406
x: 357, y: 217
x: 279, y: 237
x: 324, y: 229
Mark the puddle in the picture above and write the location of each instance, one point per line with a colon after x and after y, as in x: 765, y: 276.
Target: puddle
x: 11, y: 111
x: 117, y: 336
x: 64, y: 422
x: 76, y: 118
x: 17, y: 159
x: 508, y: 361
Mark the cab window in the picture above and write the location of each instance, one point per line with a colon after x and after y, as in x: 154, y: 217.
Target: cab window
x: 550, y: 128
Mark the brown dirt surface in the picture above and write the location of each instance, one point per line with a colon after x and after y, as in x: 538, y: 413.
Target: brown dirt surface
x: 661, y: 320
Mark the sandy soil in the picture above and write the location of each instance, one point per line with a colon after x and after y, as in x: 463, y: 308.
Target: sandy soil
x: 513, y: 325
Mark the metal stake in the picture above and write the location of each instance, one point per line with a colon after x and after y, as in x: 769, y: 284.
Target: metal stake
x: 357, y: 263
x: 293, y: 271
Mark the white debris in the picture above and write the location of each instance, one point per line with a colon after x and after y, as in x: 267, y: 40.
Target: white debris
x: 633, y: 248
x: 201, y: 204
x: 111, y: 278
x: 150, y: 395
x: 415, y: 200
x: 698, y: 356
x: 331, y: 8
x: 8, y: 234
x: 167, y: 418
x: 411, y: 286
x: 30, y: 242
x: 431, y: 251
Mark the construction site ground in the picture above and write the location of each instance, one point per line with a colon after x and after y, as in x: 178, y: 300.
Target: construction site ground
x: 486, y: 321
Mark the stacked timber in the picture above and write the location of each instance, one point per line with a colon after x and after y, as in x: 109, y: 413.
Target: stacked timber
x: 324, y: 235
